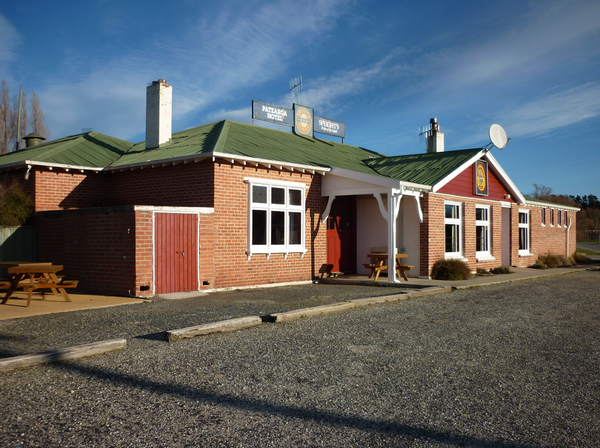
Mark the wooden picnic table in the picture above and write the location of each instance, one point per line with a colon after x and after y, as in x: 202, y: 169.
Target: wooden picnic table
x: 379, y: 265
x: 32, y: 276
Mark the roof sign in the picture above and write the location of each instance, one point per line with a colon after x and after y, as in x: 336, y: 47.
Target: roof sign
x: 330, y: 127
x: 274, y: 114
x: 304, y: 118
x: 301, y: 118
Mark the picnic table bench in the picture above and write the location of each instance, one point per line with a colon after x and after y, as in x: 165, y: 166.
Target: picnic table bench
x: 379, y: 265
x: 32, y: 276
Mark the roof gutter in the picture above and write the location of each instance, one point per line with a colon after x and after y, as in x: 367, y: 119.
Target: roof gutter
x: 31, y: 163
x: 245, y: 160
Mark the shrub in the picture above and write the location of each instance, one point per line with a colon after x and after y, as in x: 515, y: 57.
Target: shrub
x: 550, y: 261
x: 579, y: 258
x: 501, y: 270
x: 450, y: 270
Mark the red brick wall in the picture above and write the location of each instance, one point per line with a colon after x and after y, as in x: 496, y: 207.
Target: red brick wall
x: 545, y: 239
x: 184, y: 185
x: 96, y: 247
x: 60, y: 190
x: 231, y: 264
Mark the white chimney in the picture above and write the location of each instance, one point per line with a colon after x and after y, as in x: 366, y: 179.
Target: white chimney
x: 435, y: 137
x: 159, y: 115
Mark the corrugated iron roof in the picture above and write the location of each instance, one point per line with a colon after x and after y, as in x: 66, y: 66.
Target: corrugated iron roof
x: 92, y: 149
x: 242, y: 141
x: 424, y: 169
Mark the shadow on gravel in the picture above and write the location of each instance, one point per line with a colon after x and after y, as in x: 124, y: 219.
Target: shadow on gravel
x: 393, y: 428
x: 160, y: 336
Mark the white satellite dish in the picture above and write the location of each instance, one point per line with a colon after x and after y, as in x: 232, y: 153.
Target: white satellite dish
x: 498, y: 136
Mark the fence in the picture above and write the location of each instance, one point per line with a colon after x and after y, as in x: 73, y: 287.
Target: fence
x: 17, y: 244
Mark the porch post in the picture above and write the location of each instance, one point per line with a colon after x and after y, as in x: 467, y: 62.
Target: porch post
x: 393, y: 209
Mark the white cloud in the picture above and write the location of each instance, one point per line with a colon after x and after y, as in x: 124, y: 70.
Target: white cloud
x: 10, y: 39
x: 553, y: 111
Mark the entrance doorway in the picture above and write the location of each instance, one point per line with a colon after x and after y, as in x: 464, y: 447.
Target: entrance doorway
x: 341, y: 235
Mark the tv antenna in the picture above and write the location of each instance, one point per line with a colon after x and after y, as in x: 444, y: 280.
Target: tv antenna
x: 295, y: 87
x: 497, y: 137
x: 425, y: 131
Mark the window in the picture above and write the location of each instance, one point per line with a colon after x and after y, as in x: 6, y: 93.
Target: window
x: 559, y: 216
x: 482, y: 229
x: 552, y: 217
x: 566, y: 218
x: 453, y: 229
x: 276, y: 217
x: 524, y: 232
x: 543, y: 216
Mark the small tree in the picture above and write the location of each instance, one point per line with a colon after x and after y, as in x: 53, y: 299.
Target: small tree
x: 16, y: 205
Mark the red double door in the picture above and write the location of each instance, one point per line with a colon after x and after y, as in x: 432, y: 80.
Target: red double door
x: 176, y: 252
x: 341, y: 236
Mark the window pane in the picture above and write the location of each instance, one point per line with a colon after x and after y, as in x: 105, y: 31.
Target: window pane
x: 523, y: 218
x: 278, y: 228
x: 277, y: 195
x: 452, y: 238
x: 295, y: 228
x: 481, y: 239
x: 259, y: 194
x: 452, y: 211
x: 259, y: 227
x: 523, y: 239
x: 295, y: 197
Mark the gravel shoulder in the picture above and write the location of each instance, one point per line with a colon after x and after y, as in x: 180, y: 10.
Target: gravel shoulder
x: 508, y: 365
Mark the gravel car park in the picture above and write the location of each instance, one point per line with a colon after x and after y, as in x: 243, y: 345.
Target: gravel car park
x: 506, y: 365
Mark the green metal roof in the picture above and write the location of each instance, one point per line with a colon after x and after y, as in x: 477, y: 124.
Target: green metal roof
x: 424, y: 169
x: 240, y: 140
x: 244, y: 140
x: 93, y: 150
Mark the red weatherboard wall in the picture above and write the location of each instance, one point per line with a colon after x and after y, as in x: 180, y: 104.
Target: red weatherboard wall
x: 462, y: 185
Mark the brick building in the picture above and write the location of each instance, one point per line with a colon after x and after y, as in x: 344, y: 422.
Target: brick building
x: 229, y: 204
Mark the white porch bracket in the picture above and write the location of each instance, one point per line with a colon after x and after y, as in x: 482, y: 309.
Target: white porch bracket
x: 325, y: 214
x: 382, y: 208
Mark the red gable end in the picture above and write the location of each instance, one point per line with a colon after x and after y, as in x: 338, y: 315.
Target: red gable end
x: 462, y: 185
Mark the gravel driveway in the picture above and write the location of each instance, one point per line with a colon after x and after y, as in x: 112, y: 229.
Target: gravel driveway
x: 510, y: 365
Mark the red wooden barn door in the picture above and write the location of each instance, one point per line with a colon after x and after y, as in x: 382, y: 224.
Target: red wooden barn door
x: 176, y: 252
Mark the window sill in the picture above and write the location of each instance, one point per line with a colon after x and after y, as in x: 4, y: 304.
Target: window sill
x: 455, y: 257
x: 268, y: 254
x: 485, y: 258
x: 525, y: 254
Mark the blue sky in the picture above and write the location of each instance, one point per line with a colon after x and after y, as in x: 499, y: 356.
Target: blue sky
x: 382, y: 67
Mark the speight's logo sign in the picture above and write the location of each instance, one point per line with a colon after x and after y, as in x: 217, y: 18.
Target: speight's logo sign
x: 301, y: 118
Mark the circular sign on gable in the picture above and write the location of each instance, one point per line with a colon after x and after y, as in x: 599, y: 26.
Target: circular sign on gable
x: 481, y: 180
x: 303, y: 121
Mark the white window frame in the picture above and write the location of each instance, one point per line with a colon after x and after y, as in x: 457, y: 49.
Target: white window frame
x: 527, y: 249
x: 551, y: 217
x: 558, y: 218
x: 269, y: 207
x: 487, y: 225
x: 544, y: 216
x: 458, y: 222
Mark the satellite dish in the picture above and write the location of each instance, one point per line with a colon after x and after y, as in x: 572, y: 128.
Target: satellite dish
x: 498, y: 136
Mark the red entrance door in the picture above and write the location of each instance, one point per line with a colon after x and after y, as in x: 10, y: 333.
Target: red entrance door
x: 341, y: 236
x: 176, y: 252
